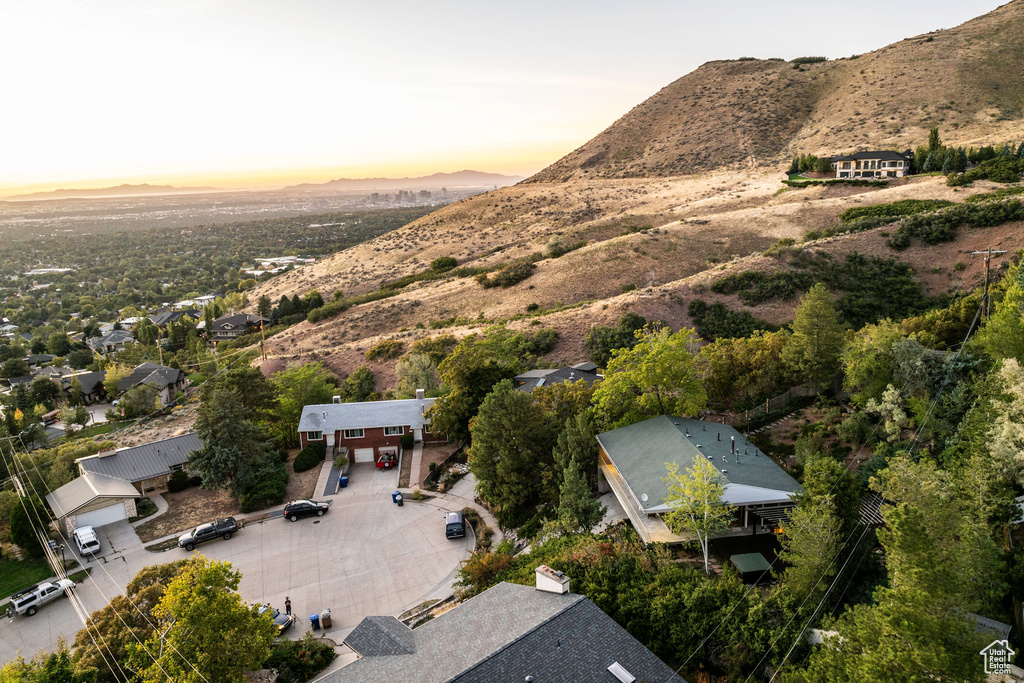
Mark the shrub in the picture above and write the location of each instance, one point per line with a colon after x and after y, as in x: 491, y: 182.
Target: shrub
x: 443, y: 264
x: 530, y: 308
x: 809, y: 60
x: 385, y: 349
x: 715, y: 321
x: 309, y: 457
x: 557, y: 247
x: 297, y: 661
x: 894, y: 210
x: 263, y: 495
x: 509, y: 275
x: 195, y: 481
x: 178, y: 482
x: 1001, y: 193
x: 407, y: 442
x: 944, y: 225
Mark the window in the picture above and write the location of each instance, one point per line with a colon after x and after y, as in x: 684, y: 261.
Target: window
x: 314, y: 436
x: 353, y: 433
x: 394, y: 431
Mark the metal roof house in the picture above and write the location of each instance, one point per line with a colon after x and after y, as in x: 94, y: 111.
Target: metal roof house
x: 110, y: 481
x: 633, y: 465
x: 509, y: 632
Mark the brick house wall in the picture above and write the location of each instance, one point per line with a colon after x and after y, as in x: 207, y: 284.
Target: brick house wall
x: 374, y: 438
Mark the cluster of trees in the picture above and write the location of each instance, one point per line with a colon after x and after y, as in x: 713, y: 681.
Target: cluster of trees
x: 803, y: 163
x: 180, y: 621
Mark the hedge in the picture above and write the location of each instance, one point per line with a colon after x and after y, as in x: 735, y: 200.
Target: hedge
x: 944, y: 225
x: 894, y: 210
x: 837, y: 181
x: 309, y: 457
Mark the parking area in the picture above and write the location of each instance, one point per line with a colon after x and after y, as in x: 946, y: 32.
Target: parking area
x: 366, y: 556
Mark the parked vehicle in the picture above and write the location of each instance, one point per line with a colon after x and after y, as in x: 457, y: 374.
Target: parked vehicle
x: 387, y: 461
x: 454, y: 525
x: 282, y: 621
x: 222, y: 528
x: 30, y: 600
x: 306, y: 508
x: 85, y: 539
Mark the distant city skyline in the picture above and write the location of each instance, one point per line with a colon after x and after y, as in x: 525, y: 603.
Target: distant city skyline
x: 254, y: 93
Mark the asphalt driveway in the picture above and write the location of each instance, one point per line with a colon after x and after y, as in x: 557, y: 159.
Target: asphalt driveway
x: 367, y: 556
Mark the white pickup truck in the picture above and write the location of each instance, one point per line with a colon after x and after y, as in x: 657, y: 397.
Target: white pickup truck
x: 30, y: 600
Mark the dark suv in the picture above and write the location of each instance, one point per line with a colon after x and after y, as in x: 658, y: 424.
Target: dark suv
x: 306, y: 508
x: 222, y: 528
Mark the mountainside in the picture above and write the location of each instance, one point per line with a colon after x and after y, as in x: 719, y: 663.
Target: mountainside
x: 758, y: 112
x: 124, y: 190
x: 641, y: 219
x: 465, y: 178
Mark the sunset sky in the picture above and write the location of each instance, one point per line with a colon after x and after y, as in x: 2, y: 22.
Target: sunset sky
x: 258, y: 93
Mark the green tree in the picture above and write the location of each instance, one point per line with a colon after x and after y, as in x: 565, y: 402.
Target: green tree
x: 297, y: 387
x: 206, y: 631
x: 470, y: 372
x: 739, y: 372
x: 14, y: 367
x: 264, y: 306
x: 695, y: 499
x: 1003, y: 333
x: 578, y: 510
x: 359, y: 386
x: 1006, y: 438
x: 126, y: 620
x: 235, y: 452
x: 56, y: 667
x: 58, y: 344
x: 811, y: 539
x: 658, y: 376
x: 511, y: 452
x: 115, y: 373
x: 867, y: 360
x: 934, y: 142
x: 813, y: 351
x: 601, y: 341
x: 25, y: 519
x: 44, y: 391
x: 416, y: 371
x: 577, y: 445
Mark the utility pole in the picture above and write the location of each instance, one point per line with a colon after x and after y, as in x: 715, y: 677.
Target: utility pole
x: 985, y: 303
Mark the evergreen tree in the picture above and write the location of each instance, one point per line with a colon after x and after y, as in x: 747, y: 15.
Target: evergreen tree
x: 578, y: 510
x: 934, y: 143
x: 817, y: 341
x: 929, y: 163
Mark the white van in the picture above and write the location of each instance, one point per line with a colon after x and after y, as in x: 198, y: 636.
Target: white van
x: 85, y: 537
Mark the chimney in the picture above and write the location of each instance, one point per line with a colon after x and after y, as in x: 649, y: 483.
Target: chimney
x: 421, y: 394
x: 551, y: 581
x: 337, y: 399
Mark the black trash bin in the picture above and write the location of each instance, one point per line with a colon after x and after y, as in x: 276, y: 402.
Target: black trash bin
x: 398, y: 499
x: 314, y: 621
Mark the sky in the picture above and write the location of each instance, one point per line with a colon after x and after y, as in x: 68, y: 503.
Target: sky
x: 247, y: 93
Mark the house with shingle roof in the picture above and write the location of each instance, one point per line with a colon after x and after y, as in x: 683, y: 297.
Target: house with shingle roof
x: 115, y: 340
x: 230, y: 327
x: 167, y: 381
x: 510, y: 632
x: 633, y: 465
x: 531, y: 379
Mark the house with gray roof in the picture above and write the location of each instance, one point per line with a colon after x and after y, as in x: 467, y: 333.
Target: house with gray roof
x: 112, y: 341
x: 164, y: 318
x: 92, y: 389
x: 509, y: 632
x: 230, y: 327
x: 167, y: 381
x: 633, y: 465
x: 110, y: 481
x: 367, y: 431
x: 531, y: 379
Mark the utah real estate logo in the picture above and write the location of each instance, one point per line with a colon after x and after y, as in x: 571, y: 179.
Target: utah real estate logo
x: 997, y: 657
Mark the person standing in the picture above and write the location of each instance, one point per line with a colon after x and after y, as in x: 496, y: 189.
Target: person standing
x: 287, y: 605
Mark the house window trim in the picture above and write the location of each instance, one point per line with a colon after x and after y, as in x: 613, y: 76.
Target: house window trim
x: 314, y: 436
x: 351, y: 433
x: 388, y: 431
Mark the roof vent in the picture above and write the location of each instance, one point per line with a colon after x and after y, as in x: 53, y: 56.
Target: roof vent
x: 421, y: 394
x: 688, y: 435
x: 620, y: 673
x: 337, y: 399
x: 725, y: 471
x: 699, y: 446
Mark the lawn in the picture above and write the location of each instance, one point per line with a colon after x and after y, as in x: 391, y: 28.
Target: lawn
x: 17, y: 575
x: 96, y: 430
x: 143, y: 508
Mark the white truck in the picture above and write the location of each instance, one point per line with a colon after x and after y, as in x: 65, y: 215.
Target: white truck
x: 30, y: 600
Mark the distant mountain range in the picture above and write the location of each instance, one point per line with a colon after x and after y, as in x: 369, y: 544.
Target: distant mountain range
x: 125, y: 190
x: 448, y: 180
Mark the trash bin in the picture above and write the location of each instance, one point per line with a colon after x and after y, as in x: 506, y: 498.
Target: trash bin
x: 398, y: 499
x: 394, y: 496
x: 314, y: 621
x: 343, y: 480
x: 325, y: 618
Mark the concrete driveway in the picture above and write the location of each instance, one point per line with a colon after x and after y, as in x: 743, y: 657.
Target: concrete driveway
x: 366, y: 556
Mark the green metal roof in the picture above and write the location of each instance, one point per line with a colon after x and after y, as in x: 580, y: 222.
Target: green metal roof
x: 750, y: 562
x: 640, y: 452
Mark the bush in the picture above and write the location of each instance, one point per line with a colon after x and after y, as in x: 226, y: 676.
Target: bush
x: 178, y: 482
x: 385, y: 349
x: 944, y: 225
x: 443, y: 264
x: 309, y: 457
x: 407, y: 442
x: 297, y: 661
x: 1001, y: 193
x: 195, y: 481
x: 530, y: 308
x: 894, y: 210
x: 717, y: 321
x: 755, y: 287
x: 509, y: 275
x: 263, y: 495
x: 809, y: 60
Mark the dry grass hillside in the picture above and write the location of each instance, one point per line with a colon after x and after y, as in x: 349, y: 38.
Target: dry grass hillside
x: 760, y: 112
x: 729, y: 127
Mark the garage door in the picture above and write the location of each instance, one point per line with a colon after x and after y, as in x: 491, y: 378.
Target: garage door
x: 107, y: 515
x: 363, y: 455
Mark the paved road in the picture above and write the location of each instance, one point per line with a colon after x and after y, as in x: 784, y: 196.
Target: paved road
x: 367, y: 556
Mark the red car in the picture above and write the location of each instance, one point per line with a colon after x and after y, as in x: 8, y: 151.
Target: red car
x: 387, y: 461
